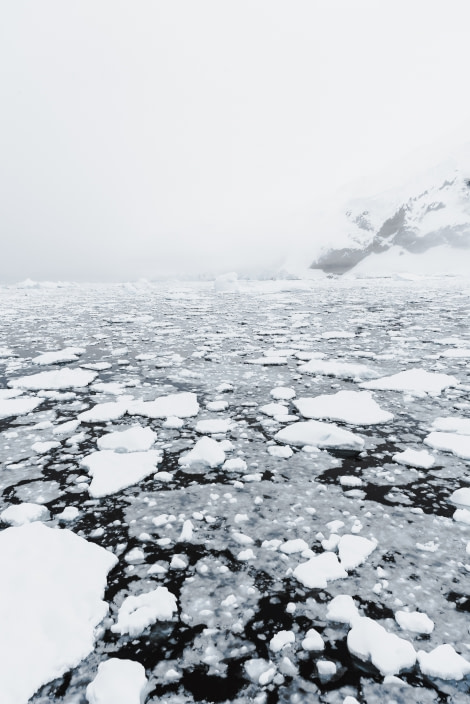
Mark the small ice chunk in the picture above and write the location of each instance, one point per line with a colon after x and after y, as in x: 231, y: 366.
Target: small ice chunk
x: 283, y: 451
x: 282, y: 393
x: 236, y: 464
x: 342, y: 609
x: 19, y: 514
x: 461, y: 426
x: 319, y: 570
x: 354, y: 550
x: 70, y: 513
x: 461, y: 497
x: 173, y: 423
x: 422, y: 459
x: 459, y: 445
x: 12, y: 407
x: 138, y: 612
x: 102, y: 412
x: 326, y: 668
x: 259, y: 670
x: 313, y: 641
x: 182, y: 405
x: 59, y: 379
x: 118, y: 681
x: 414, y: 621
x: 292, y: 546
x: 186, y: 534
x: 414, y: 380
x: 68, y: 354
x: 281, y: 640
x: 217, y: 406
x: 443, y: 662
x: 274, y: 409
x: 213, y: 426
x: 390, y: 654
x: 42, y: 447
x: 113, y: 471
x: 321, y: 435
x: 356, y: 407
x: 206, y: 451
x: 134, y: 439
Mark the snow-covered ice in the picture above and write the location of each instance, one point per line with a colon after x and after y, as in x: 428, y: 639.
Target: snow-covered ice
x: 114, y: 471
x: 118, y: 681
x: 318, y: 434
x: 355, y: 407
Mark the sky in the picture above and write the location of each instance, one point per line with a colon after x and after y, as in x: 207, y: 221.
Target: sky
x: 175, y: 137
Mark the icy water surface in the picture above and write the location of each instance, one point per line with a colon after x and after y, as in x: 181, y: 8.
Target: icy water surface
x: 235, y: 585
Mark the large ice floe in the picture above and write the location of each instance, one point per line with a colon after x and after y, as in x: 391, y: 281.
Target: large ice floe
x: 113, y: 471
x: 51, y: 601
x: 318, y: 434
x: 61, y: 379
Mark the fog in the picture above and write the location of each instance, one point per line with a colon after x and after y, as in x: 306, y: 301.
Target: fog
x: 179, y: 137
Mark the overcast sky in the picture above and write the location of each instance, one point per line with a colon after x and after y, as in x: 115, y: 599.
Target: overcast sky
x: 167, y: 136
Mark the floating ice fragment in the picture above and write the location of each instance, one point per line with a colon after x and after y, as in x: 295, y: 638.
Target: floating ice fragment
x: 342, y: 609
x: 19, y: 514
x: 414, y: 380
x: 135, y: 439
x: 206, y: 451
x: 459, y: 445
x: 118, y: 681
x: 389, y: 653
x: 319, y: 570
x: 414, y: 621
x: 61, y: 379
x: 353, y: 550
x: 443, y: 662
x: 113, y: 471
x: 355, y: 407
x: 182, y: 405
x: 11, y: 407
x: 138, y: 612
x: 321, y: 435
x: 422, y: 459
x: 313, y: 641
x: 281, y: 640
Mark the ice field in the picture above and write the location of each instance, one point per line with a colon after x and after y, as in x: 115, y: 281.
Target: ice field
x: 254, y: 495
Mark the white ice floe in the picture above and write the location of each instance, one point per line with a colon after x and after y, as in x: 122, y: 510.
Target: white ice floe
x: 461, y: 426
x: 313, y: 641
x: 356, y: 407
x: 58, y: 379
x: 182, y: 405
x: 342, y: 609
x: 217, y: 406
x: 319, y: 570
x: 10, y: 393
x: 66, y: 428
x: 443, y: 662
x: 206, y: 451
x: 70, y: 513
x: 318, y: 434
x: 421, y: 459
x: 342, y: 370
x: 236, y: 464
x: 274, y: 409
x: 68, y: 354
x: 462, y: 515
x: 52, y: 601
x: 260, y: 671
x: 173, y: 423
x: 214, y: 426
x: 280, y: 451
x: 413, y: 380
x: 102, y: 412
x: 42, y: 447
x: 136, y: 613
x: 12, y: 407
x: 281, y: 640
x: 336, y: 334
x: 459, y: 445
x: 282, y: 393
x: 353, y: 550
x: 270, y: 361
x: 461, y: 497
x: 292, y: 546
x: 19, y: 514
x: 390, y: 654
x: 118, y: 682
x: 113, y: 471
x: 414, y: 621
x: 134, y: 439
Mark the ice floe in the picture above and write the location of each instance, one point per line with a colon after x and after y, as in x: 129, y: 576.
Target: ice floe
x: 136, y: 613
x: 319, y: 570
x: 355, y: 407
x: 12, y: 407
x: 422, y: 459
x: 206, y: 451
x: 118, y: 681
x: 321, y: 435
x: 103, y: 412
x: 459, y: 445
x: 390, y: 654
x: 341, y: 370
x: 114, y: 471
x: 68, y: 354
x: 134, y: 439
x: 58, y: 379
x: 414, y: 621
x: 19, y: 514
x: 413, y: 380
x: 50, y: 605
x: 443, y: 662
x: 183, y: 405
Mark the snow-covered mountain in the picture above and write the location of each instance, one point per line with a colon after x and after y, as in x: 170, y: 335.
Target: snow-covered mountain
x: 421, y: 227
